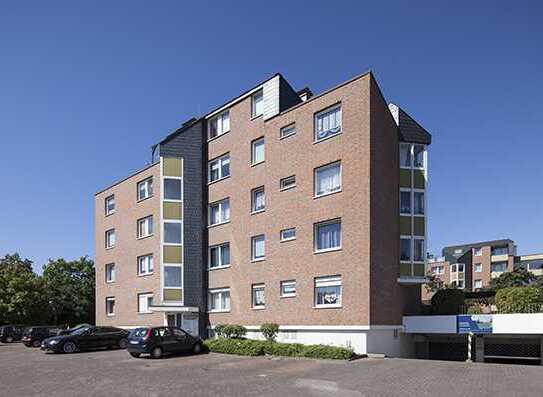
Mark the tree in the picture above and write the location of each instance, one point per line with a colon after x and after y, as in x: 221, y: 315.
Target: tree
x: 517, y: 278
x: 448, y: 301
x: 22, y: 293
x: 434, y: 283
x: 70, y: 290
x: 519, y: 300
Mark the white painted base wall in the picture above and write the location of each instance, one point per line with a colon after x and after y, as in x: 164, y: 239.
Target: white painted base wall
x: 387, y: 340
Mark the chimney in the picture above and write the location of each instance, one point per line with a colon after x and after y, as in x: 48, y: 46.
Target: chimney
x: 305, y: 94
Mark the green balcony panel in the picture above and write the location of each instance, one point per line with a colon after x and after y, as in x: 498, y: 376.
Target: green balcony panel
x: 175, y: 295
x: 405, y: 270
x: 418, y: 270
x: 419, y: 179
x: 405, y: 178
x: 405, y: 225
x: 173, y: 254
x: 172, y: 210
x: 172, y: 166
x: 418, y: 226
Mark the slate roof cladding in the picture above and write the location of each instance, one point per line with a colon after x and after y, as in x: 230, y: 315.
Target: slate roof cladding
x: 410, y: 130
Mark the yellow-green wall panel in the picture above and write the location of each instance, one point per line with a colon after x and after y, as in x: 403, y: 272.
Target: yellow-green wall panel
x: 405, y: 178
x: 419, y: 180
x: 418, y: 226
x: 172, y: 210
x: 172, y: 166
x: 173, y: 295
x: 172, y: 254
x: 405, y: 225
x: 418, y: 270
x: 405, y: 270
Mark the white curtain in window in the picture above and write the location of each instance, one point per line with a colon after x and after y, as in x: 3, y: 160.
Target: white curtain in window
x: 258, y: 247
x: 259, y: 200
x: 329, y: 236
x: 225, y: 303
x: 328, y: 179
x: 259, y: 297
x: 225, y: 210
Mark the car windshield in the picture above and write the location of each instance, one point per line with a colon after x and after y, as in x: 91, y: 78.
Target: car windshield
x: 80, y: 331
x: 140, y: 332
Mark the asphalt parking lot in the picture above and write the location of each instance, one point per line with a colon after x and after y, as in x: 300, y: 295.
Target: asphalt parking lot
x: 30, y: 372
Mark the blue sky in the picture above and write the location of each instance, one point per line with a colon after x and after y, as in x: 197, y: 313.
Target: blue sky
x: 87, y: 87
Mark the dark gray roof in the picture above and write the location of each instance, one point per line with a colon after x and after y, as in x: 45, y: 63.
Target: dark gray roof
x: 480, y: 244
x: 410, y: 130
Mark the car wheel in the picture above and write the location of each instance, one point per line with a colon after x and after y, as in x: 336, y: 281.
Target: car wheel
x: 156, y: 352
x: 123, y: 343
x: 68, y: 347
x: 135, y: 355
x: 36, y: 343
x: 197, y: 348
x: 9, y: 339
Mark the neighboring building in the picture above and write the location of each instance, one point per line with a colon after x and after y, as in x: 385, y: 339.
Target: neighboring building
x: 278, y: 206
x: 471, y: 267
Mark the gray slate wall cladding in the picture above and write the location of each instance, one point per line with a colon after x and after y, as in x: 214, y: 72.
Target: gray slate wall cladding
x: 190, y: 144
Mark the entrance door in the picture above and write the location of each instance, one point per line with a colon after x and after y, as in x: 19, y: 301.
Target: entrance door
x: 190, y: 324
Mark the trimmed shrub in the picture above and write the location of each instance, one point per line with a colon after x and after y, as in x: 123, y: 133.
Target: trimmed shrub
x: 270, y: 331
x: 328, y: 352
x: 519, y: 300
x: 242, y: 347
x: 474, y: 310
x: 447, y: 301
x: 230, y: 331
x: 285, y: 349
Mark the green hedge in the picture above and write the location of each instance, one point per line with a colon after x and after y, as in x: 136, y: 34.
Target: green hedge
x: 230, y: 331
x: 447, y: 301
x: 248, y: 347
x: 519, y: 300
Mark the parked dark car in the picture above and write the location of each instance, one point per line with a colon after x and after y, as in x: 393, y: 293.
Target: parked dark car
x: 89, y: 338
x: 158, y: 341
x: 11, y: 333
x: 68, y: 331
x: 33, y: 336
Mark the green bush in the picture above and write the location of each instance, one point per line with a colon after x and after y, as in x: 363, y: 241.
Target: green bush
x: 249, y: 347
x: 519, y: 300
x: 270, y: 331
x: 230, y: 331
x: 447, y: 301
x: 474, y: 310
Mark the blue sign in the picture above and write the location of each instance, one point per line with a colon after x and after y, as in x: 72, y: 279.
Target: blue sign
x: 474, y: 323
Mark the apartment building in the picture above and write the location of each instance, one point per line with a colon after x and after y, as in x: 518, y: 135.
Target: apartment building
x: 278, y: 206
x: 472, y: 266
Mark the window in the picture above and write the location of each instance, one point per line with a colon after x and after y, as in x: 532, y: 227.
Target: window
x: 418, y: 156
x: 258, y: 202
x: 498, y: 267
x: 534, y: 266
x: 418, y: 250
x: 328, y: 123
x: 438, y: 270
x: 460, y: 268
x: 110, y: 238
x: 110, y: 306
x: 173, y: 232
x: 219, y: 212
x: 219, y: 125
x: 405, y: 249
x: 287, y: 131
x: 258, y: 248
x: 144, y: 301
x: 173, y: 190
x: 287, y: 183
x: 219, y: 256
x: 327, y: 179
x: 477, y: 251
x: 145, y: 189
x: 219, y: 300
x: 288, y: 288
x: 219, y: 168
x: 418, y: 203
x: 110, y: 205
x: 258, y: 296
x: 257, y: 151
x: 499, y: 251
x: 327, y: 235
x: 173, y: 276
x: 288, y: 234
x: 110, y: 272
x: 328, y: 291
x: 145, y: 265
x: 478, y: 268
x: 257, y: 104
x: 478, y: 284
x: 405, y: 202
x: 453, y: 268
x: 145, y: 227
x: 460, y: 284
x: 405, y: 155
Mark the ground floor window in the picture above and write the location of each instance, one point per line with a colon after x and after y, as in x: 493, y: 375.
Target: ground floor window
x: 258, y: 296
x: 144, y: 301
x: 219, y: 300
x: 328, y: 291
x: 110, y: 306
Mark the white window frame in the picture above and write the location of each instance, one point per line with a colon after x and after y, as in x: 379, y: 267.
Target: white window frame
x: 477, y: 252
x: 478, y: 267
x: 221, y: 259
x: 219, y: 161
x: 282, y: 232
x: 221, y: 292
x: 287, y: 130
x: 316, y: 226
x: 328, y: 281
x: 406, y: 190
x: 254, y: 288
x: 163, y: 281
x: 171, y: 200
x: 254, y: 111
x: 415, y: 238
x: 148, y: 227
x: 110, y: 299
x: 254, y: 239
x: 222, y: 120
x: 475, y: 282
x: 438, y: 270
x: 147, y: 182
x: 108, y: 233
x: 409, y: 153
x: 323, y: 112
x: 253, y: 150
x: 164, y: 223
x: 149, y: 264
x: 107, y: 200
x: 254, y: 192
x: 107, y: 267
x: 410, y: 238
x: 322, y: 168
x: 146, y: 296
x: 423, y: 157
x: 221, y: 211
x: 282, y: 181
x: 415, y: 191
x: 286, y: 283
